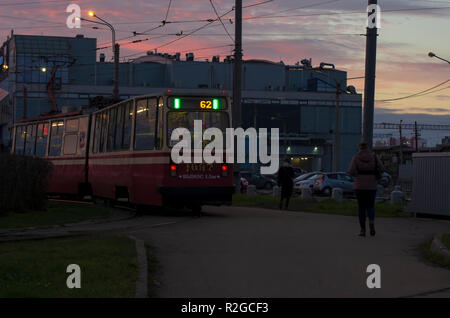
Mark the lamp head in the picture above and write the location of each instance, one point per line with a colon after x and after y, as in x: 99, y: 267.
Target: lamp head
x: 91, y: 13
x: 431, y: 54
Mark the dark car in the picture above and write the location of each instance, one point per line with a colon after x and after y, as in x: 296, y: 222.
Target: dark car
x: 258, y: 180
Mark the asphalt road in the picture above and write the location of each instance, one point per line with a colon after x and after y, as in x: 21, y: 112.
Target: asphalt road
x: 249, y: 252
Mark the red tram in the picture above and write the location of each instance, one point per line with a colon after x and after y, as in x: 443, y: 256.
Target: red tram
x: 123, y: 151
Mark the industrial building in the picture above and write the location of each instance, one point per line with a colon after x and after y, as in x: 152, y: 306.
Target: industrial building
x: 46, y: 73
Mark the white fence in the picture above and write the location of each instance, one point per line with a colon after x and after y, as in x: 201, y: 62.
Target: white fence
x: 431, y: 183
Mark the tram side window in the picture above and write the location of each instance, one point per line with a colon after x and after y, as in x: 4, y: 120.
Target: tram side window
x: 30, y: 140
x: 20, y: 140
x: 104, y: 128
x: 70, y: 144
x: 56, y: 138
x: 111, y: 129
x: 71, y: 137
x: 160, y: 132
x: 41, y: 139
x: 119, y: 127
x: 128, y: 116
x: 145, y: 124
x: 97, y: 131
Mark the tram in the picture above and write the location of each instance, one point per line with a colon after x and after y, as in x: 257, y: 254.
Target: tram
x: 123, y: 151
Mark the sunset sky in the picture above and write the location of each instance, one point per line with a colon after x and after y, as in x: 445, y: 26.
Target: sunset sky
x: 287, y: 30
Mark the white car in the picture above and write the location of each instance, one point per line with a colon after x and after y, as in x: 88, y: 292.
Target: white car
x: 308, y: 182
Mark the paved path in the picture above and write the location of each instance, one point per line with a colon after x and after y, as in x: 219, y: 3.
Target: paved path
x: 249, y: 252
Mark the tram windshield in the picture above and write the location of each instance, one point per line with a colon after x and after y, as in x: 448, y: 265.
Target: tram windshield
x: 184, y: 119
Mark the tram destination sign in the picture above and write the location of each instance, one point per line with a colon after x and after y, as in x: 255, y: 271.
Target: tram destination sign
x: 198, y: 103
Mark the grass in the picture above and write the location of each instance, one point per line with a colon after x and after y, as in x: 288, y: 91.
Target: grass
x: 38, y: 268
x: 433, y: 257
x: 56, y: 213
x: 446, y: 240
x: 326, y: 206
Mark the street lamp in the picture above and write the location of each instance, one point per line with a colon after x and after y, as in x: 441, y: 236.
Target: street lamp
x: 431, y: 54
x: 115, y: 52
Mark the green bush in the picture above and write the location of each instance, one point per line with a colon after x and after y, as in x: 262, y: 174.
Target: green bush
x: 23, y: 182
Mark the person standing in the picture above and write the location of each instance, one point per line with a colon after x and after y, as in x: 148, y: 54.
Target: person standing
x: 366, y: 167
x: 286, y: 182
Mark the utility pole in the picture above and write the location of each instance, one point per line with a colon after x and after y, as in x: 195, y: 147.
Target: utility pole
x: 416, y: 133
x: 401, y: 141
x: 285, y: 139
x: 237, y: 82
x: 237, y: 73
x: 25, y: 96
x: 336, y: 131
x: 116, y: 72
x: 369, y: 82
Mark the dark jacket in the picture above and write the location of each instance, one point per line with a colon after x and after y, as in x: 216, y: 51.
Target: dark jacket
x: 286, y: 177
x: 362, y: 168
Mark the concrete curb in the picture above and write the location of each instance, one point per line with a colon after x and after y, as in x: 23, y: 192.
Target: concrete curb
x: 142, y: 282
x: 438, y: 247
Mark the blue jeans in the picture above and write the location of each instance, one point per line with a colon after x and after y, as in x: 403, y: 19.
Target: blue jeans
x: 366, y: 206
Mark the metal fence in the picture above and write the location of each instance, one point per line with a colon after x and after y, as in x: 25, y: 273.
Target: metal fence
x: 431, y: 183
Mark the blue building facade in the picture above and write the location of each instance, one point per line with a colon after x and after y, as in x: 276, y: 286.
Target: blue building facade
x: 46, y: 73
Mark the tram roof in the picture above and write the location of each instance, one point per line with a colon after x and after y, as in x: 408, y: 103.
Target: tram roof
x: 50, y: 116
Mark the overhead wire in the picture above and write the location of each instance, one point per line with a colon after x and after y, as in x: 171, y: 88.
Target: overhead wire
x: 422, y: 93
x: 221, y: 22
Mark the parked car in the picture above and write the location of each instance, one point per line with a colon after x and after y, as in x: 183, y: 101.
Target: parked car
x: 298, y: 171
x: 258, y: 180
x: 325, y: 183
x: 308, y: 181
x: 305, y: 176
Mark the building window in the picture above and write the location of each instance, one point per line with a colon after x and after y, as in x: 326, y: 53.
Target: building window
x: 56, y: 138
x: 145, y: 124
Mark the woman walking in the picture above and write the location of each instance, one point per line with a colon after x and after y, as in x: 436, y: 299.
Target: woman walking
x: 366, y: 167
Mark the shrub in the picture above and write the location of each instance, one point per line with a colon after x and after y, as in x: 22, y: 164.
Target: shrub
x: 23, y: 182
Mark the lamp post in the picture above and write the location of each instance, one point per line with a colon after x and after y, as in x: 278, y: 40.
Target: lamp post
x: 115, y: 52
x: 431, y: 54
